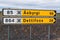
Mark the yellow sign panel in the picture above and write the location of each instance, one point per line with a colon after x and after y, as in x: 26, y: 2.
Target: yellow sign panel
x: 38, y: 12
x: 37, y: 20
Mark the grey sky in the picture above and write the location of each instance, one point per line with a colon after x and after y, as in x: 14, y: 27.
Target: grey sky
x: 31, y: 4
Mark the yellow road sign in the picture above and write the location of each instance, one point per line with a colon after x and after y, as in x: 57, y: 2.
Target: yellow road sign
x: 38, y: 20
x: 26, y: 12
x: 38, y: 12
x: 28, y: 20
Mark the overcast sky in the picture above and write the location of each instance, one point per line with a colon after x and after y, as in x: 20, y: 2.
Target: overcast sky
x: 31, y: 4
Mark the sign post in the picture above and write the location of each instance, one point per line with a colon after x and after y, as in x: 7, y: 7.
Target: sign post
x: 31, y: 20
x: 48, y: 32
